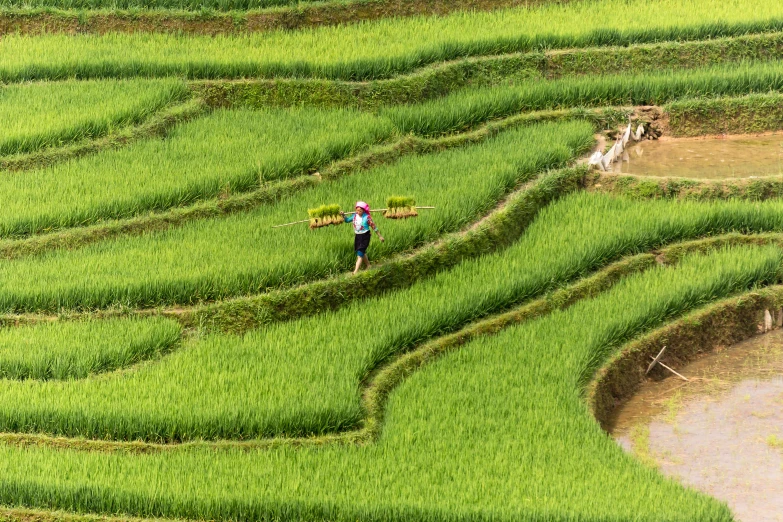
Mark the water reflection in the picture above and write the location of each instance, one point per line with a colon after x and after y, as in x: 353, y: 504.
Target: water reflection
x: 721, y: 433
x: 705, y: 158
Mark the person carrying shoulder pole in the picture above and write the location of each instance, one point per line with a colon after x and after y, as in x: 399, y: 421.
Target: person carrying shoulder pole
x: 362, y: 223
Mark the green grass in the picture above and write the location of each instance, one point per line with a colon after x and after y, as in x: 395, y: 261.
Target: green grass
x: 470, y: 107
x: 75, y: 350
x: 495, y: 431
x: 303, y: 377
x: 227, y: 151
x: 383, y: 48
x: 400, y: 202
x: 754, y: 113
x: 242, y: 254
x: 39, y: 115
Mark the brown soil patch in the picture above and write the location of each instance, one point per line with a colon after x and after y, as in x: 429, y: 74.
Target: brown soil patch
x: 655, y: 119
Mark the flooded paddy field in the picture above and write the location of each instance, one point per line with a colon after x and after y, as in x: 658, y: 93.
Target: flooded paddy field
x: 721, y: 432
x: 723, y: 157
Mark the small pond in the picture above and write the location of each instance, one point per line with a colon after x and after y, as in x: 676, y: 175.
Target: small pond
x: 705, y: 158
x: 722, y: 432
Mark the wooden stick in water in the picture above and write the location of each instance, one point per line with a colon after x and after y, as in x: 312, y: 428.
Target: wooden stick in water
x: 674, y: 372
x: 655, y: 360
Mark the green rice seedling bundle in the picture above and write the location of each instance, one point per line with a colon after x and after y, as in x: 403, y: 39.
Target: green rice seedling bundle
x: 304, y: 377
x: 517, y: 394
x: 382, y: 48
x: 77, y: 349
x: 228, y: 150
x: 467, y: 108
x: 400, y: 207
x: 324, y: 216
x: 218, y: 258
x: 34, y: 116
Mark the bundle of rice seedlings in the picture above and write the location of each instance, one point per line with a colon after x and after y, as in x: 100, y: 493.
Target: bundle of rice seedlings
x: 324, y: 216
x: 400, y: 207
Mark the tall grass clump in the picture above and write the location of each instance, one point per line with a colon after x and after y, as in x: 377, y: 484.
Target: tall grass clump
x: 467, y: 108
x: 35, y: 116
x: 74, y: 350
x: 227, y: 151
x: 517, y: 394
x: 243, y: 254
x: 303, y: 377
x: 382, y: 48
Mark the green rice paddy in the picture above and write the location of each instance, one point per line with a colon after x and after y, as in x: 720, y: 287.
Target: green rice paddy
x: 71, y: 111
x: 214, y: 367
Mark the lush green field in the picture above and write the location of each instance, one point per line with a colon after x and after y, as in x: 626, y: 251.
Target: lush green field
x: 34, y: 116
x: 538, y: 455
x: 395, y: 395
x: 304, y: 377
x: 225, y: 152
x: 75, y: 350
x: 382, y: 48
x: 470, y: 107
x: 242, y: 254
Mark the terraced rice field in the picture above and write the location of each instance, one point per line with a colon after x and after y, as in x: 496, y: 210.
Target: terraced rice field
x: 166, y: 352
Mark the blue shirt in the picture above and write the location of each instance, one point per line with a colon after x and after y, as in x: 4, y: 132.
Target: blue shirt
x: 361, y: 224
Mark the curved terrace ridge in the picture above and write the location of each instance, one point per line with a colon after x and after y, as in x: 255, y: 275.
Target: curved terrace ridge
x: 726, y: 274
x: 389, y: 375
x: 165, y: 352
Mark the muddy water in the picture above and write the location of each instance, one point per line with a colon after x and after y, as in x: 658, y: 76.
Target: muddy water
x: 722, y: 432
x: 705, y: 158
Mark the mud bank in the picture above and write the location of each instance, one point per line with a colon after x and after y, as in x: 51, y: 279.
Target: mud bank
x: 722, y: 431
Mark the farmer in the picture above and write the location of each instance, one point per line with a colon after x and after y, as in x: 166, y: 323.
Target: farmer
x: 362, y: 223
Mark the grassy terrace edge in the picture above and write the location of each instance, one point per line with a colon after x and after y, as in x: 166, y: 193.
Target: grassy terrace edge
x: 688, y: 117
x: 744, y: 114
x: 281, y: 305
x: 401, y: 270
x: 156, y: 125
x: 380, y: 383
x: 498, y: 229
x: 76, y: 236
x: 438, y: 79
x: 287, y: 304
x: 376, y: 68
x: 642, y: 187
x: 211, y: 22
